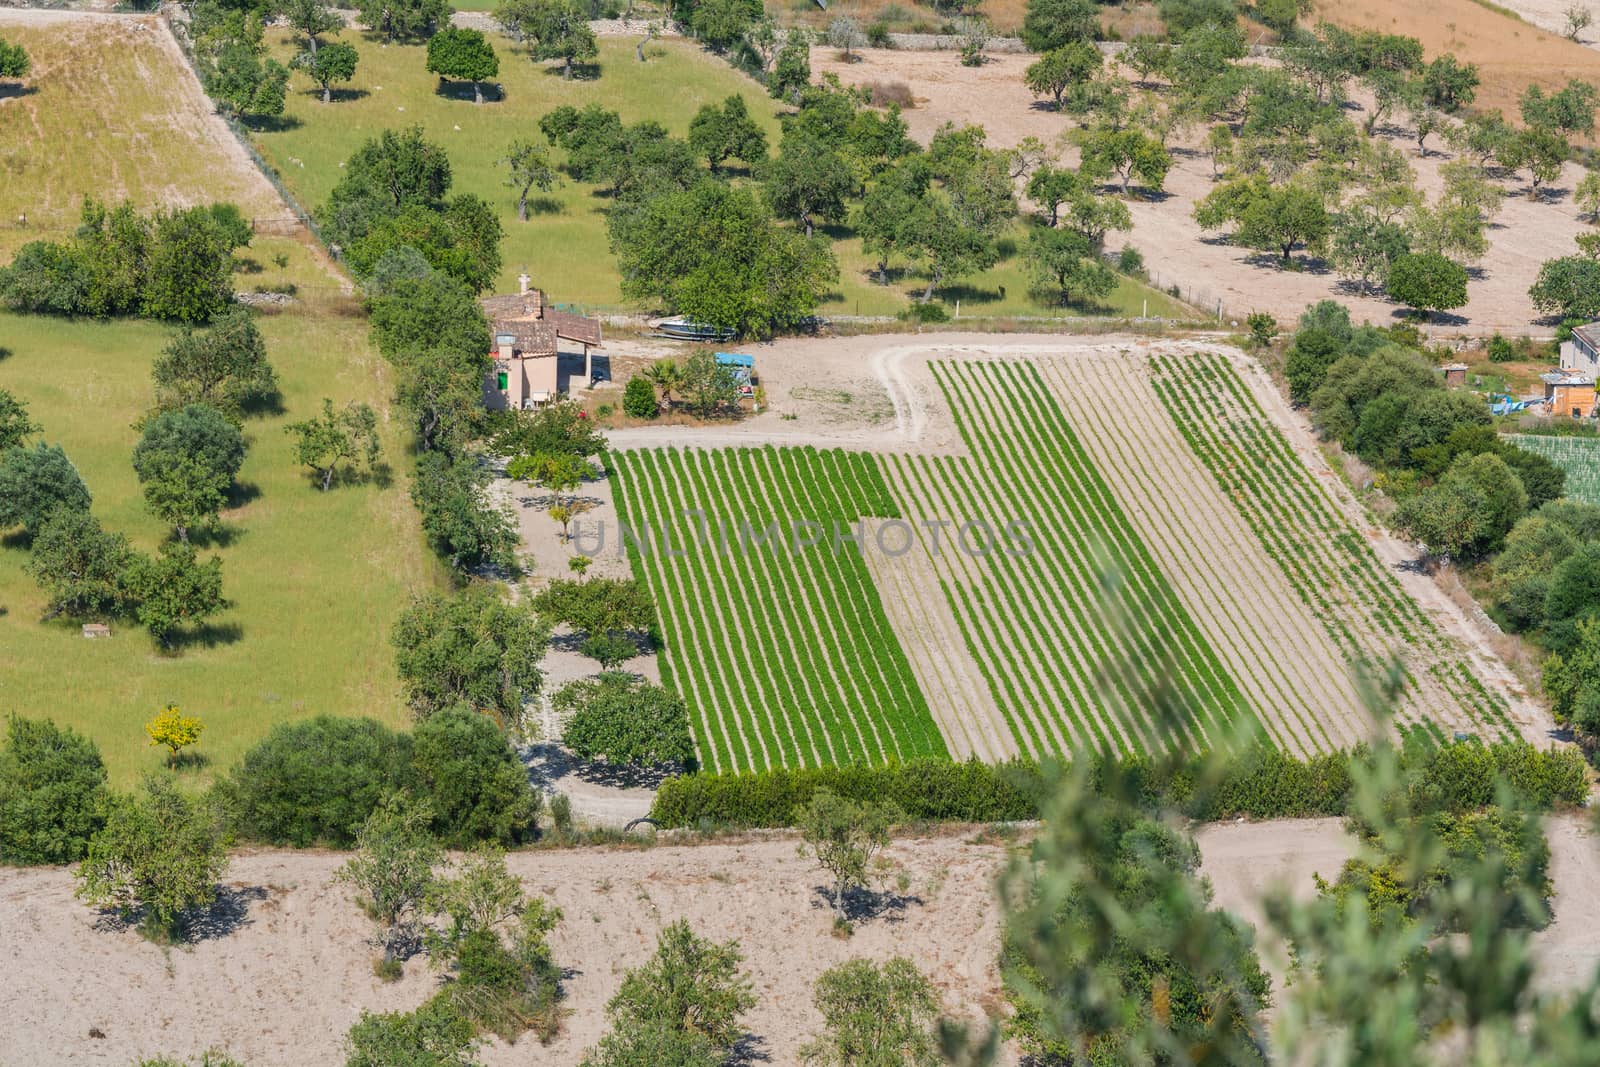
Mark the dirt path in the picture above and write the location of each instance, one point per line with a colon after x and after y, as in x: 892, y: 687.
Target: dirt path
x: 281, y: 988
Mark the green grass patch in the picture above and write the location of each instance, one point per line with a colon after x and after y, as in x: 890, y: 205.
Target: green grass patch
x: 316, y: 579
x: 564, y: 245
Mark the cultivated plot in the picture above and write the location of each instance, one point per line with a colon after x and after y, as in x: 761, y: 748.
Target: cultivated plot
x: 1129, y: 557
x: 772, y: 628
x: 1578, y: 456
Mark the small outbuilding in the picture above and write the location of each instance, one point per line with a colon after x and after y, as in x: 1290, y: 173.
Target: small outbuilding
x: 1455, y: 374
x: 1569, y: 394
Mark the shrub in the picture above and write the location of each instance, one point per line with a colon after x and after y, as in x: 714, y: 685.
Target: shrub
x: 316, y: 781
x: 1130, y: 261
x: 52, y: 792
x: 890, y: 94
x: 623, y: 719
x: 1261, y: 783
x: 1501, y: 350
x: 878, y: 37
x: 639, y: 399
x: 473, y: 780
x: 926, y: 311
x: 157, y: 858
x: 435, y: 1035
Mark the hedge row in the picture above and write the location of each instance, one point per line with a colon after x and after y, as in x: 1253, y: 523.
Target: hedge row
x: 1261, y: 783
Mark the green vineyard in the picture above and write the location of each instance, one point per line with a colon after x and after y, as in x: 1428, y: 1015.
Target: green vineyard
x: 1119, y: 563
x: 781, y: 649
x: 1578, y: 456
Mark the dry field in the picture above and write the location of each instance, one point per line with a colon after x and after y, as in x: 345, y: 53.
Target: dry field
x: 110, y: 110
x: 1509, y: 53
x: 1207, y: 270
x: 1174, y: 464
x: 282, y: 988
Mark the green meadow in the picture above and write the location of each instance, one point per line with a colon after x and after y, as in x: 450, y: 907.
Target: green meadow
x: 564, y: 244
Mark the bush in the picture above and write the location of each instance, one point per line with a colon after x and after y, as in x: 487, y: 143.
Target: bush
x: 926, y: 311
x: 1261, y: 783
x: 52, y: 793
x: 887, y: 94
x: 316, y: 781
x: 474, y: 782
x: 1501, y: 350
x: 472, y: 649
x: 878, y: 37
x: 157, y: 859
x: 639, y: 399
x: 1130, y: 261
x: 36, y: 482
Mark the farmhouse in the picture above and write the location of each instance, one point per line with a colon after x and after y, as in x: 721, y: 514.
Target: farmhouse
x: 1581, y: 353
x: 527, y: 333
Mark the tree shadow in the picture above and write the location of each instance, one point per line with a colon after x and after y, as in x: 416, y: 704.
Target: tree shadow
x: 6, y: 353
x: 545, y: 205
x: 204, y: 635
x: 270, y: 123
x: 581, y: 72
x: 339, y: 96
x: 493, y: 92
x: 265, y: 405
x: 1432, y: 318
x: 862, y: 904
x: 228, y: 913
x: 548, y: 762
x: 751, y: 1048
x: 242, y: 493
x: 971, y: 294
x: 223, y: 535
x: 246, y: 265
x: 190, y: 761
x: 19, y: 539
x: 8, y: 90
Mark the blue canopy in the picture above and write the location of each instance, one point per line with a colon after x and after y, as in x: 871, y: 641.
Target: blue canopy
x: 736, y: 359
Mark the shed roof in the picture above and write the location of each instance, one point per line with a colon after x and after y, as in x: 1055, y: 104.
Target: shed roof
x: 736, y: 359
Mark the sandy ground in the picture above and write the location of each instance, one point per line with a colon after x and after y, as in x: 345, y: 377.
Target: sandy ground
x: 279, y: 983
x: 1208, y: 271
x: 281, y: 988
x: 1248, y: 861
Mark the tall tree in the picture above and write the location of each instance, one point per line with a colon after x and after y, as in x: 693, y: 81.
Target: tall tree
x: 175, y: 588
x: 463, y: 54
x: 335, y: 62
x: 728, y: 132
x: 344, y: 438
x: 471, y: 649
x: 1051, y: 24
x: 311, y: 18
x: 15, y: 426
x: 529, y: 163
x: 560, y: 30
x: 403, y: 18
x: 808, y: 181
x: 35, y: 483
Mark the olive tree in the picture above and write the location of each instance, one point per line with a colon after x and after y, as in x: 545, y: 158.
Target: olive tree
x: 392, y: 869
x: 157, y: 859
x: 844, y: 836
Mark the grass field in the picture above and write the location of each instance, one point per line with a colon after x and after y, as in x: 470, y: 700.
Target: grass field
x: 564, y: 246
x: 316, y: 579
x: 1578, y: 456
x: 784, y: 655
x: 107, y: 109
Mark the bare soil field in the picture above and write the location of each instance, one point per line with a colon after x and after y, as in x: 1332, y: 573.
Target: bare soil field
x: 289, y: 969
x: 1509, y: 53
x: 1208, y: 271
x: 283, y: 985
x: 1248, y: 861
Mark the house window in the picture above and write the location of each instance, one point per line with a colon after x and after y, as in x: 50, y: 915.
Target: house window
x: 501, y: 379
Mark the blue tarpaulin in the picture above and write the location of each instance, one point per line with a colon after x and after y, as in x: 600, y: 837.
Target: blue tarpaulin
x: 736, y: 359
